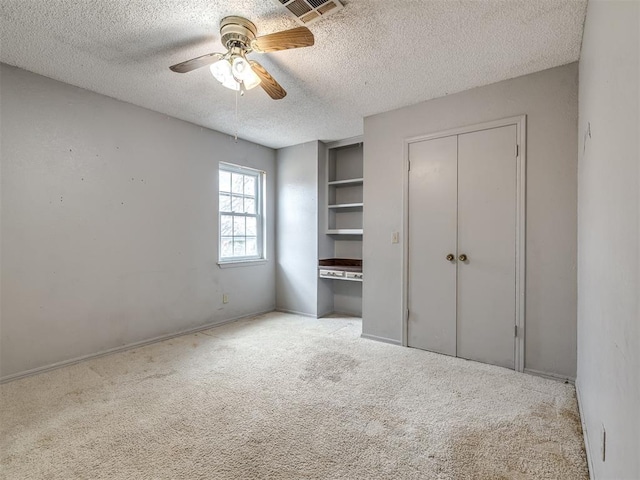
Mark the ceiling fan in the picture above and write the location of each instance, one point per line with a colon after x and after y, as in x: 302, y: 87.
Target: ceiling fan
x: 232, y: 68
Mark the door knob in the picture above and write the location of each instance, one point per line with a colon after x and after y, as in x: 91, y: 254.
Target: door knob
x: 462, y: 258
x: 451, y: 257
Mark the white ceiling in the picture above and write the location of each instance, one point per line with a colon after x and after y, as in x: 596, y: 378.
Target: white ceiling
x: 372, y: 56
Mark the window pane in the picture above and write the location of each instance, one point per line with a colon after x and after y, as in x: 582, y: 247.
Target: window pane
x: 238, y: 247
x: 225, y: 181
x: 225, y: 203
x: 237, y: 183
x: 252, y: 246
x: 226, y: 247
x: 252, y: 228
x: 237, y: 204
x: 250, y: 185
x: 238, y: 226
x: 249, y: 205
x: 226, y: 225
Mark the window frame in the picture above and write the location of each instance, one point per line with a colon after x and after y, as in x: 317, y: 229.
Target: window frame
x: 260, y: 182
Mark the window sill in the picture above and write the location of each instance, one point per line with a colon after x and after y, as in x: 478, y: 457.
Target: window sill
x: 242, y: 263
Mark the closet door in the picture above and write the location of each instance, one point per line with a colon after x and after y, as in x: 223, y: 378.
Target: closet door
x: 487, y: 236
x: 432, y: 236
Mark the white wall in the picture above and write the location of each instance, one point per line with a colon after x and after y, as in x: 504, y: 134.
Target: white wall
x: 109, y: 224
x: 297, y: 229
x: 608, y: 238
x: 549, y: 99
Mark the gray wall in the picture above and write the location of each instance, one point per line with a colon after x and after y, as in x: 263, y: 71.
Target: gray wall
x: 608, y: 238
x: 109, y: 224
x: 297, y: 229
x: 549, y: 99
x: 347, y: 297
x: 325, y: 242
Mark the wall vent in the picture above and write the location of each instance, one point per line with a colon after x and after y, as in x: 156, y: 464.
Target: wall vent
x: 307, y: 12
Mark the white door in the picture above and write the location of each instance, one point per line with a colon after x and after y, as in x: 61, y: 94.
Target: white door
x: 462, y: 201
x: 486, y: 309
x: 432, y: 236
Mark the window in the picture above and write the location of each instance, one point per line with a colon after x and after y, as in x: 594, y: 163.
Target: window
x: 241, y: 214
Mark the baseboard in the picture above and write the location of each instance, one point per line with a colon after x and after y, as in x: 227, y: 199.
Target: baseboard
x: 550, y: 376
x: 347, y: 314
x: 129, y: 346
x: 294, y: 312
x: 381, y: 339
x: 585, y: 434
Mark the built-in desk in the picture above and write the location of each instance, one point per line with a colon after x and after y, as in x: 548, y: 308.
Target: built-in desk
x: 341, y: 269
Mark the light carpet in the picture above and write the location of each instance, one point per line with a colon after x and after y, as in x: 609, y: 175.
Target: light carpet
x: 282, y: 396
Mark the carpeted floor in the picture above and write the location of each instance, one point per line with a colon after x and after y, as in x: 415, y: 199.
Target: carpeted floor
x: 284, y: 396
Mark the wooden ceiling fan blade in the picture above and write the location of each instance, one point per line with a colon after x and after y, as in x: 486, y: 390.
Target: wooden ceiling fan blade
x: 294, y: 38
x: 195, y: 63
x: 267, y: 82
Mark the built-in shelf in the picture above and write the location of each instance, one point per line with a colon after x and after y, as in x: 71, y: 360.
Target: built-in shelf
x: 340, y: 274
x: 345, y: 231
x: 346, y: 183
x: 348, y: 279
x: 345, y: 189
x: 347, y: 205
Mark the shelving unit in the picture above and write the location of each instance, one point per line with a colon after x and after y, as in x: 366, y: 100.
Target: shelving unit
x: 352, y: 181
x: 347, y: 205
x: 345, y: 183
x: 343, y: 204
x: 345, y: 231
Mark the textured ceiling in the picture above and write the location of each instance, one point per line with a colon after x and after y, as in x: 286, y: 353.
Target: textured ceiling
x: 372, y: 56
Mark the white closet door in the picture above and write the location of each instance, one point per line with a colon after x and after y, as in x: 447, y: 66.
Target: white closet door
x: 487, y: 235
x: 432, y: 236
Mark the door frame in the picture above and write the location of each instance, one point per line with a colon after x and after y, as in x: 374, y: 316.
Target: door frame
x: 520, y: 122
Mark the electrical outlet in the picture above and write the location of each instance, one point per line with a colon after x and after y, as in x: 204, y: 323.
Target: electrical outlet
x: 603, y: 443
x: 225, y: 298
x: 395, y: 237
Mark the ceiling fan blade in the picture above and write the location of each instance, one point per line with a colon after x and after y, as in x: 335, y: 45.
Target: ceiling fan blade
x: 294, y: 38
x: 194, y: 63
x: 267, y: 82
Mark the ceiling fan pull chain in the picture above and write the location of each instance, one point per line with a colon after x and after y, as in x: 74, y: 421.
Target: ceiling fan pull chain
x: 236, y: 129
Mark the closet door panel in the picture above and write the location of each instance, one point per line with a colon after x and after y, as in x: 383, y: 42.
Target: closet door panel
x: 432, y: 236
x: 487, y: 235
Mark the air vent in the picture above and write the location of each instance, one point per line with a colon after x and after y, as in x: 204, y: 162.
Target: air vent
x: 310, y: 11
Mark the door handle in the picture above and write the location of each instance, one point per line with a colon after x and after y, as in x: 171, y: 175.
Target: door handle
x: 462, y: 257
x: 451, y: 257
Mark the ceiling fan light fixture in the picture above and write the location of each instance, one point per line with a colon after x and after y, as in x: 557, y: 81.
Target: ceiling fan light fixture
x: 251, y: 81
x: 221, y: 71
x: 243, y: 72
x: 235, y: 73
x: 240, y: 67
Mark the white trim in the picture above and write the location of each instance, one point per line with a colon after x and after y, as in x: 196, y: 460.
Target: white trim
x: 129, y: 346
x: 521, y: 240
x: 551, y: 376
x: 404, y: 228
x: 521, y: 185
x: 585, y: 434
x: 260, y: 215
x: 381, y: 339
x: 295, y: 312
x: 343, y: 313
x: 234, y: 167
x: 242, y: 263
